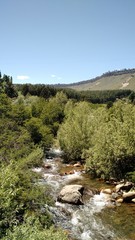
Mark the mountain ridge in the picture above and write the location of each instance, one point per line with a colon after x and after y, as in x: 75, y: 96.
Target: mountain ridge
x: 111, y: 80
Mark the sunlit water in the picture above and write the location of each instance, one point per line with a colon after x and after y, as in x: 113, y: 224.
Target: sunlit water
x: 97, y: 219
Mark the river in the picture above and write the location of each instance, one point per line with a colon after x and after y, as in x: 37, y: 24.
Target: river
x: 97, y: 219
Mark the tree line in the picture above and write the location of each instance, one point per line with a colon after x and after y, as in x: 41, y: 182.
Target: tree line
x: 47, y: 91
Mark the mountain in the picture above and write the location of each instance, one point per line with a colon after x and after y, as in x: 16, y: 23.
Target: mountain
x: 118, y: 79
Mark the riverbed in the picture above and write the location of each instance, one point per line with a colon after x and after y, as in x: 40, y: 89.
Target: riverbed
x: 97, y: 219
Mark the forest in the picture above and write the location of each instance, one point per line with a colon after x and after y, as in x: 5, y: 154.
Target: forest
x: 96, y: 128
x: 47, y: 91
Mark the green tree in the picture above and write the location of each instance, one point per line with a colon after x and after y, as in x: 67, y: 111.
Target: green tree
x: 53, y: 112
x: 75, y: 133
x: 5, y: 105
x: 39, y: 132
x: 20, y: 112
x: 113, y: 151
x: 6, y: 86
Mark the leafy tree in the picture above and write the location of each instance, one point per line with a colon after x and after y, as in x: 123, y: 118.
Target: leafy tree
x: 75, y: 133
x: 60, y: 98
x: 6, y: 86
x: 25, y: 89
x: 20, y: 113
x: 39, y: 132
x: 53, y: 112
x: 113, y: 151
x: 5, y: 105
x: 38, y: 106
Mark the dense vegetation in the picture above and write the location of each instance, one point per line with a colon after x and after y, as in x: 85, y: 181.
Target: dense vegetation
x: 100, y: 135
x: 104, y: 96
x: 27, y: 128
x: 47, y: 91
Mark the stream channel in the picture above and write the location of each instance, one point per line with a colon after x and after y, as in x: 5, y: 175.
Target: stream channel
x: 97, y: 219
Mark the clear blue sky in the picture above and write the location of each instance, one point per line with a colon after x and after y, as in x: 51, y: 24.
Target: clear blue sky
x: 64, y: 41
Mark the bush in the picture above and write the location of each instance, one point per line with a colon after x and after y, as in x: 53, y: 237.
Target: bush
x: 32, y: 230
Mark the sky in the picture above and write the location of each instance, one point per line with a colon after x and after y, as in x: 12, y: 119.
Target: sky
x: 65, y: 41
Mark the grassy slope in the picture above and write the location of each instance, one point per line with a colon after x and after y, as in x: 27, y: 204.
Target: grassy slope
x: 124, y: 81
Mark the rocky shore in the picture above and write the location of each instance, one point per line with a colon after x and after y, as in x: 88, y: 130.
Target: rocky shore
x: 122, y: 192
x: 118, y: 192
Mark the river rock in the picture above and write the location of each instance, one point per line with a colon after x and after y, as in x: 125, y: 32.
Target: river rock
x: 71, y: 194
x: 78, y: 164
x: 106, y: 191
x: 119, y: 200
x: 124, y: 186
x: 115, y: 195
x: 127, y: 197
x: 48, y: 166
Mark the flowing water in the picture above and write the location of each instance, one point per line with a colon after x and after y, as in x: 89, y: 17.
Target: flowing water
x: 97, y: 219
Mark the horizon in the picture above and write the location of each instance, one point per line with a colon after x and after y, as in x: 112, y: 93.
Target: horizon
x: 64, y: 42
x: 94, y: 78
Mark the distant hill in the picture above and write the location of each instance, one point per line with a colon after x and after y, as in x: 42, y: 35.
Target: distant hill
x: 121, y: 79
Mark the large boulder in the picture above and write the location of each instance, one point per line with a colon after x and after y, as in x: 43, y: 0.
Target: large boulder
x: 71, y: 194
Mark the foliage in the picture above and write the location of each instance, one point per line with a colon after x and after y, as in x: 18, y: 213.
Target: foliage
x: 39, y: 90
x: 32, y: 229
x: 7, y: 87
x: 131, y: 176
x: 132, y: 97
x: 113, y: 151
x: 47, y: 92
x: 5, y: 105
x: 20, y: 112
x: 23, y: 136
x: 53, y: 112
x: 20, y: 194
x: 39, y: 133
x: 13, y: 137
x: 104, y: 136
x: 75, y: 133
x: 104, y: 96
